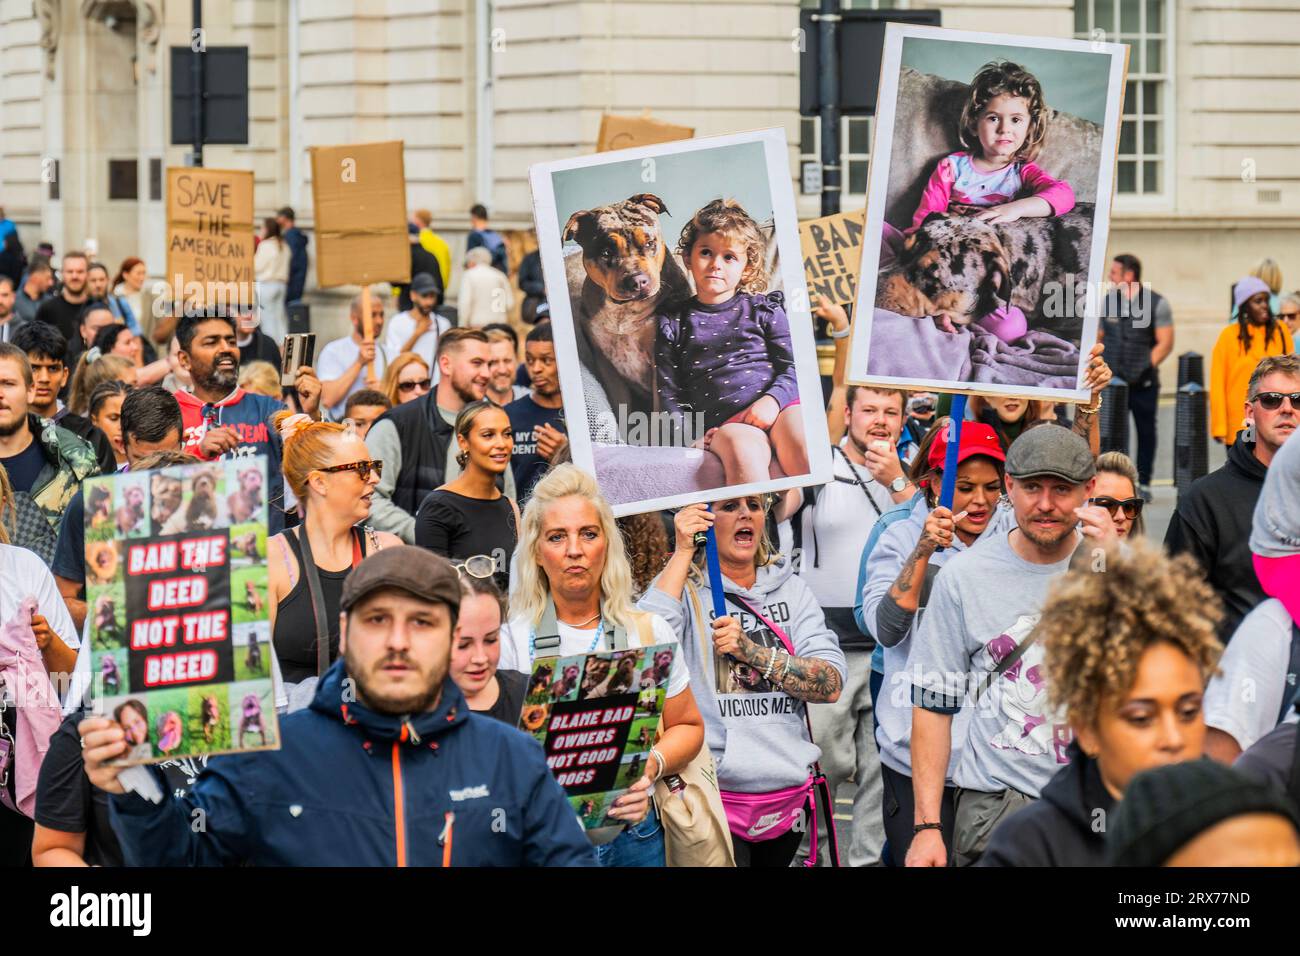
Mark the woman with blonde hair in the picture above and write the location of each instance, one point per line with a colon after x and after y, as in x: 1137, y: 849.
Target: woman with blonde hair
x: 754, y: 673
x: 261, y: 378
x: 331, y: 474
x: 407, y: 379
x: 1127, y: 656
x: 93, y: 369
x: 1270, y: 273
x: 573, y: 595
x: 1117, y: 492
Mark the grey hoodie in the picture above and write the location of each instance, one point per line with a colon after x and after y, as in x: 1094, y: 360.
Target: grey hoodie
x: 758, y: 739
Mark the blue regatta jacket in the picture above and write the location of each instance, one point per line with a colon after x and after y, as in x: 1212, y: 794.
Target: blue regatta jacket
x: 351, y: 787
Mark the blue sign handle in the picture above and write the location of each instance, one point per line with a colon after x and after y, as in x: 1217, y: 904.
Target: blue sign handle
x: 955, y: 418
x: 715, y: 572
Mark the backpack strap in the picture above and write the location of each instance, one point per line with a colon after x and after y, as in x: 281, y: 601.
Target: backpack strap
x: 317, y: 602
x: 1006, y: 663
x: 1292, y: 683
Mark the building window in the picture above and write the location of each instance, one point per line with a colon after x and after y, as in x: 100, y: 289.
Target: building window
x: 1142, y: 168
x: 855, y: 154
x: 123, y: 179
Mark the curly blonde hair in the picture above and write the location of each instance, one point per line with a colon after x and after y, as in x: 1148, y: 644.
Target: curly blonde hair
x: 1097, y: 624
x: 728, y: 218
x: 646, y: 540
x: 1001, y: 78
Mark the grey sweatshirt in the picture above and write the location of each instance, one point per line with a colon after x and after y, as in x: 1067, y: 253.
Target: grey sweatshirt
x: 758, y: 738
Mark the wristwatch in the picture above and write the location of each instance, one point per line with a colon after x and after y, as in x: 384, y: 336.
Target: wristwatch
x: 898, y: 484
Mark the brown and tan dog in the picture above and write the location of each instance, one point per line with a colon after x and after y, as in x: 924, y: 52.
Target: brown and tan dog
x: 624, y: 277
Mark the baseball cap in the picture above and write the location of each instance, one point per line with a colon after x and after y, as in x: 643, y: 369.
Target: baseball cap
x: 422, y: 284
x: 1051, y: 450
x: 417, y: 571
x: 977, y: 438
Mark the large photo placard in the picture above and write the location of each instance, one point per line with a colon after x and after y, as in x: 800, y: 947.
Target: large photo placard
x: 987, y: 212
x: 176, y: 588
x: 685, y: 346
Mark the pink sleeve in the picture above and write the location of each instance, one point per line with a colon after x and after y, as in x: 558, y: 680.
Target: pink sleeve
x: 1057, y: 192
x: 938, y: 191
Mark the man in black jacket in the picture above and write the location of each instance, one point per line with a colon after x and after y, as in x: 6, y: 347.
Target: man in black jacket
x: 1213, y: 518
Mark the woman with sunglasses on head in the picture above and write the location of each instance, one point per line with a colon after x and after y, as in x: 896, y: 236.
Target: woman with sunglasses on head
x: 1117, y: 492
x: 754, y: 669
x: 573, y: 596
x: 476, y: 648
x: 407, y: 379
x: 329, y: 471
x: 469, y: 515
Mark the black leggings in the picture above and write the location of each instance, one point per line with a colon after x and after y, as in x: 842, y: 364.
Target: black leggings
x: 898, y: 810
x: 15, y: 828
x: 777, y: 852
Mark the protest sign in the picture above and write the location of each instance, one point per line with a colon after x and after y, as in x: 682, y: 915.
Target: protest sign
x: 595, y: 715
x: 359, y: 204
x: 832, y: 253
x: 673, y: 397
x: 176, y: 588
x: 982, y: 255
x: 624, y: 132
x: 210, y: 236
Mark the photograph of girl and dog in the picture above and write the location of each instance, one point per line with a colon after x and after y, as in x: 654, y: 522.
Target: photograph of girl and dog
x: 684, y: 346
x: 987, y: 212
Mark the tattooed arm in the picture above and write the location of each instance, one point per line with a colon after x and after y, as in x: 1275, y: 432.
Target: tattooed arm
x: 804, y: 678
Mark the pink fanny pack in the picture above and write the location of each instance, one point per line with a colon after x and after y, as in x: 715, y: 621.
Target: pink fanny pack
x: 765, y: 816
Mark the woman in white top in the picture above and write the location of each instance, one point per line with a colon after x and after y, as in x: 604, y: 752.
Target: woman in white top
x: 271, y: 266
x: 571, y: 568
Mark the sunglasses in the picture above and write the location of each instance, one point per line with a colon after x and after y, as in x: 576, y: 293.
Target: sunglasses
x: 476, y: 566
x: 423, y: 383
x: 1273, y: 400
x: 1132, y: 506
x: 362, y: 468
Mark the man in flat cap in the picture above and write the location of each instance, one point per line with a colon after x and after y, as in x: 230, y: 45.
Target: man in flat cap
x: 387, y: 767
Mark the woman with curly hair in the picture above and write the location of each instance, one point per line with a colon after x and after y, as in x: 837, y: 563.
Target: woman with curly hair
x: 1127, y: 653
x: 647, y: 548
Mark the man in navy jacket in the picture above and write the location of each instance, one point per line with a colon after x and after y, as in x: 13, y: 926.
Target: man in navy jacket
x: 387, y: 767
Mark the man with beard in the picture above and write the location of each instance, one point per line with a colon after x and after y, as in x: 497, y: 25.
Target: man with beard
x: 63, y: 311
x: 418, y: 329
x: 832, y: 528
x: 221, y: 419
x: 9, y: 321
x: 1213, y: 518
x: 351, y: 363
x: 504, y: 344
x: 452, y: 788
x: 977, y: 647
x: 417, y: 441
x: 44, y: 461
x: 537, y: 419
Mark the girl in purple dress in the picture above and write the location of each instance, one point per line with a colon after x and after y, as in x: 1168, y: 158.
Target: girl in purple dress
x: 724, y: 362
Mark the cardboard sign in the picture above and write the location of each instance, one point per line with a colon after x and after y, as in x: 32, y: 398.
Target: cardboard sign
x: 832, y: 252
x: 359, y: 200
x: 210, y: 236
x: 624, y: 132
x: 176, y: 588
x: 595, y: 715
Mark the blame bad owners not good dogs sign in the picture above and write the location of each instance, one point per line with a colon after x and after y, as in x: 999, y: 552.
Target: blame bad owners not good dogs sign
x: 595, y: 715
x: 987, y: 212
x: 684, y: 344
x: 177, y: 592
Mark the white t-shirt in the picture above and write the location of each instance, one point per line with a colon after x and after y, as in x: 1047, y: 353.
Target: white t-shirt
x: 24, y: 575
x: 515, y: 657
x: 337, y: 357
x: 399, y: 328
x: 1244, y: 700
x: 835, y: 530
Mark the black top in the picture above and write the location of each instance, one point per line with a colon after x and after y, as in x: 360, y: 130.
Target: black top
x: 525, y: 418
x: 63, y: 315
x: 25, y: 467
x: 457, y: 527
x: 295, y: 621
x: 510, y: 700
x: 261, y: 347
x: 1212, y: 523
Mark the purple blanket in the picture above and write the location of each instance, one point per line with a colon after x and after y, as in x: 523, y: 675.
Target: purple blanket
x: 917, y: 349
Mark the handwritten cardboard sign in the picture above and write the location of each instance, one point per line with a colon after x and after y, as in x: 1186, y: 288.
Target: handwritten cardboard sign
x: 210, y: 236
x: 832, y: 252
x: 359, y: 202
x: 624, y: 132
x: 176, y: 585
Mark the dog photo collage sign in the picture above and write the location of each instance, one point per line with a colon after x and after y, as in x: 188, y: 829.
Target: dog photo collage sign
x: 685, y: 346
x: 176, y: 585
x: 987, y: 212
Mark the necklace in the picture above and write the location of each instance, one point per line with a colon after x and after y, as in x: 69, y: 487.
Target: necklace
x: 581, y: 626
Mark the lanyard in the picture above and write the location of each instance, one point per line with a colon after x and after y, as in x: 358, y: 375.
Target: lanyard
x: 857, y: 480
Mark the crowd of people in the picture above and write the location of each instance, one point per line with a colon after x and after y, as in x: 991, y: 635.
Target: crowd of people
x: 1015, y: 676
